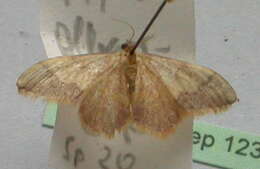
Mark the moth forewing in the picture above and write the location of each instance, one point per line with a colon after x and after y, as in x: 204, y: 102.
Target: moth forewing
x: 64, y: 79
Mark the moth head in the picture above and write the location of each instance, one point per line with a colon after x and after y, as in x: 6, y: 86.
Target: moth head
x: 127, y: 46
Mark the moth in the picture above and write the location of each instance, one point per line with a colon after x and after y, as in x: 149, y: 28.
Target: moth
x: 115, y: 90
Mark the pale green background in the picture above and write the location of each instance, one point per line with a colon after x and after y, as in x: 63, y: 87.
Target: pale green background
x: 24, y: 143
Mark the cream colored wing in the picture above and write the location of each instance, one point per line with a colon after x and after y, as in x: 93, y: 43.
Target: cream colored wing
x: 94, y: 82
x: 167, y: 90
x: 64, y: 79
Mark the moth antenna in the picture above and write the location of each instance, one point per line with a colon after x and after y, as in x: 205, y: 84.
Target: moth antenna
x: 148, y: 38
x: 149, y: 25
x: 129, y: 25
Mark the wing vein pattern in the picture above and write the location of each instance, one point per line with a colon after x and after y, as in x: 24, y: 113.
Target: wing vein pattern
x: 167, y: 90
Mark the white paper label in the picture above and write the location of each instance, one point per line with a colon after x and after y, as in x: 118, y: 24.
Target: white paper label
x: 72, y: 148
x: 70, y: 27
